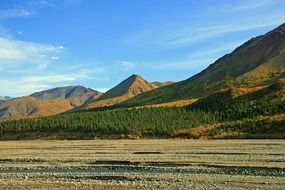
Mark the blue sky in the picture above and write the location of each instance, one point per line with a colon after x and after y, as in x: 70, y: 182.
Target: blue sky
x: 98, y: 43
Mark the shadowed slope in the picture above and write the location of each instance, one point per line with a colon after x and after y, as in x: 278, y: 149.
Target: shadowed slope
x: 131, y: 87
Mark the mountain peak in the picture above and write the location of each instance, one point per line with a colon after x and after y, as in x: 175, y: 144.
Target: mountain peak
x: 135, y: 76
x: 131, y: 87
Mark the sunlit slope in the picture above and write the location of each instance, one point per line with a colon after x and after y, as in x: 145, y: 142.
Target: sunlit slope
x: 259, y: 61
x: 131, y: 87
x: 48, y: 102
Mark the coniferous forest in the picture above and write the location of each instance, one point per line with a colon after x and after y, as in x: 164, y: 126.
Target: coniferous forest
x: 211, y: 117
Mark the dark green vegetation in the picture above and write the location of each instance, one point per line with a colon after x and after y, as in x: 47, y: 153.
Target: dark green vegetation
x: 221, y: 115
x: 153, y: 122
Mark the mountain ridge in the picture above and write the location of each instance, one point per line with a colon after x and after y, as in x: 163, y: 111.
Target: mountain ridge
x: 231, y: 70
x: 47, y: 102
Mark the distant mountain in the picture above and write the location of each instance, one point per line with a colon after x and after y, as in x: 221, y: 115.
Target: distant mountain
x: 4, y: 99
x: 67, y: 92
x: 48, y: 102
x: 260, y: 61
x: 160, y: 84
x: 130, y: 87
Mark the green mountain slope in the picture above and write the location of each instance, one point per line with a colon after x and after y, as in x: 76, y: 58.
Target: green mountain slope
x: 259, y: 61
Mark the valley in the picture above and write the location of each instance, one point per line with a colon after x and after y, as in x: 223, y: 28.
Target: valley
x: 142, y: 95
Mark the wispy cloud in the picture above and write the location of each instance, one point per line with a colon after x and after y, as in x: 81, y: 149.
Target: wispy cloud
x: 48, y: 78
x: 55, y: 58
x: 197, y: 59
x: 16, y: 53
x: 20, y: 88
x: 73, y: 1
x: 28, y: 67
x: 249, y: 5
x: 185, y: 32
x: 30, y: 84
x: 14, y: 13
x: 25, y: 8
x: 184, y: 64
x: 190, y: 36
x: 20, y: 60
x: 39, y: 4
x: 127, y: 65
x: 216, y: 51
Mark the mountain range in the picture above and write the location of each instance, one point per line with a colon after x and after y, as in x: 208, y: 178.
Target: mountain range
x: 250, y: 79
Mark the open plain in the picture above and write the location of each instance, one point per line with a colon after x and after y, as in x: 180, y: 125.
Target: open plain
x: 143, y: 164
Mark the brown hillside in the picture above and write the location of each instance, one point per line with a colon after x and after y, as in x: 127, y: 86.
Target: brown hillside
x: 45, y: 103
x: 131, y: 87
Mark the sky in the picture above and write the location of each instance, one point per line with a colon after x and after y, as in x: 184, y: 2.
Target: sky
x: 98, y: 43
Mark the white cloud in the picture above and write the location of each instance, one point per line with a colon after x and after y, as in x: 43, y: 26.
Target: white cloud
x: 39, y: 4
x: 249, y: 5
x: 215, y: 51
x: 184, y: 64
x: 28, y: 82
x: 17, y: 88
x: 55, y: 58
x: 48, y: 78
x: 186, y: 32
x: 14, y: 13
x: 73, y: 1
x: 26, y: 67
x: 190, y: 36
x: 33, y: 83
x: 127, y: 64
x: 18, y: 53
x: 198, y: 59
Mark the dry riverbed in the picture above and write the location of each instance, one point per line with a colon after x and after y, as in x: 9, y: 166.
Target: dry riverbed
x: 143, y: 164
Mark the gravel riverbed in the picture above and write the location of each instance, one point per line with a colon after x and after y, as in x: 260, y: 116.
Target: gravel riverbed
x: 143, y: 164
